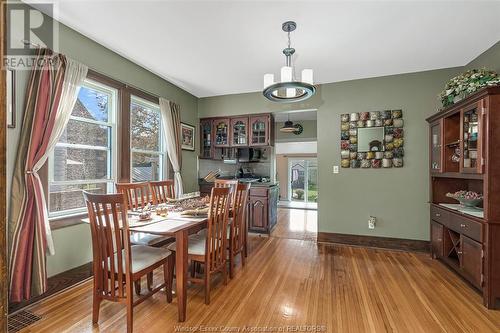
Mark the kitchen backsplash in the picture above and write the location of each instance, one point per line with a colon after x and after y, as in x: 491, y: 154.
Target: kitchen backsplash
x: 260, y: 169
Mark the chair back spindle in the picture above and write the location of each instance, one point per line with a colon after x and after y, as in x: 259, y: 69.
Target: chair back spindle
x: 162, y: 191
x: 137, y: 194
x: 231, y: 184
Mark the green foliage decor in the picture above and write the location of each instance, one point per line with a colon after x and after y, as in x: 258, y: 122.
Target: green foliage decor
x: 466, y: 83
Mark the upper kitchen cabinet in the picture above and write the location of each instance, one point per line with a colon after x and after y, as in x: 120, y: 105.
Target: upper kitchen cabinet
x: 239, y: 132
x: 260, y: 130
x: 221, y: 132
x: 206, y: 138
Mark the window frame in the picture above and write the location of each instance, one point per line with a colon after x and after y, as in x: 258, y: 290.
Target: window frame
x: 161, y: 152
x: 112, y: 149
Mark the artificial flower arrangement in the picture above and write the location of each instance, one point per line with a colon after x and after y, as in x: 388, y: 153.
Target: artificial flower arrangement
x: 466, y: 198
x: 466, y: 83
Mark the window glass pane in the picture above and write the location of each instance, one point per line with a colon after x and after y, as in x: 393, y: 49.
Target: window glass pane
x: 74, y: 164
x: 80, y: 164
x: 92, y: 103
x: 65, y: 197
x: 145, y: 167
x: 83, y: 133
x: 144, y: 125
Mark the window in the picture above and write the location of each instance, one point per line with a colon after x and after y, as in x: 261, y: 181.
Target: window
x: 85, y: 156
x: 146, y: 141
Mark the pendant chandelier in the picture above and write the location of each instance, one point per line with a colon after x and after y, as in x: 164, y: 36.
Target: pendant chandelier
x: 289, y: 90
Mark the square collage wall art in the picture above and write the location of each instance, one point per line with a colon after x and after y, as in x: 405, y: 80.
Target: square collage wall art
x: 389, y: 154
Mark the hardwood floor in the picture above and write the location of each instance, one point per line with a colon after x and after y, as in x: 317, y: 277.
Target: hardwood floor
x: 296, y: 224
x: 297, y: 282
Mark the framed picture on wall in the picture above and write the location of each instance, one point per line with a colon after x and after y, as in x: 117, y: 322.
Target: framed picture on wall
x: 187, y: 135
x: 11, y: 98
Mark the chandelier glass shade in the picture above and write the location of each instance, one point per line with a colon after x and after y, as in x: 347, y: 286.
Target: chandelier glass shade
x: 289, y: 89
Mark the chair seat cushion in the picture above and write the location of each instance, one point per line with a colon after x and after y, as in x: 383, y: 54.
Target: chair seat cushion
x: 196, y: 245
x: 143, y: 257
x: 141, y: 238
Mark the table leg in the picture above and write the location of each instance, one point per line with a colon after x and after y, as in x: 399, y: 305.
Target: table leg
x: 181, y: 269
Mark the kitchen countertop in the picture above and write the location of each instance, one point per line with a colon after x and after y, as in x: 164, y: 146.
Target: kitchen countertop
x: 253, y: 184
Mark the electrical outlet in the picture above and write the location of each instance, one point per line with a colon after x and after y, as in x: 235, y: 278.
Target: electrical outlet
x: 335, y: 169
x: 371, y: 222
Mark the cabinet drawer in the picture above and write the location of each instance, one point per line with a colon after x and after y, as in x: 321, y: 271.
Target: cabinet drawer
x: 258, y: 192
x: 469, y: 228
x: 440, y: 215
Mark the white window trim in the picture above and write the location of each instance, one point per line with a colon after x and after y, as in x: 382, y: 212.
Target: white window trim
x: 112, y: 149
x: 162, y: 152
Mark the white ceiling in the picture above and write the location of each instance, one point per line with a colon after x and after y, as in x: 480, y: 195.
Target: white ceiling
x: 223, y: 47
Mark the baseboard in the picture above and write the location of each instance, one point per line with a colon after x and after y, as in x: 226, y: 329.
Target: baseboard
x: 57, y: 283
x: 374, y: 241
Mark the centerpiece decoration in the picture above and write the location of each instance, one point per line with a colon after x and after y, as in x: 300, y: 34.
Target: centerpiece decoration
x: 466, y: 198
x: 467, y: 83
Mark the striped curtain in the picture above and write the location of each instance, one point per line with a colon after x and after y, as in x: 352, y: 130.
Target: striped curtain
x: 50, y: 96
x: 171, y: 118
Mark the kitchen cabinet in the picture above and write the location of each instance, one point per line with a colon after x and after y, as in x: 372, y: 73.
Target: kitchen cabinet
x: 206, y: 139
x: 260, y: 130
x: 239, y: 132
x: 257, y: 213
x: 262, y: 206
x: 262, y: 213
x: 221, y: 132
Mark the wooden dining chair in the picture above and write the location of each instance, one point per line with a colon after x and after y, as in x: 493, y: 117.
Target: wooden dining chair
x: 232, y: 184
x: 137, y: 194
x: 211, y: 250
x: 237, y: 229
x: 117, y: 265
x: 162, y: 191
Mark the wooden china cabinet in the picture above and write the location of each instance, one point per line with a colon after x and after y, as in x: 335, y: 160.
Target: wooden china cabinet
x: 465, y: 155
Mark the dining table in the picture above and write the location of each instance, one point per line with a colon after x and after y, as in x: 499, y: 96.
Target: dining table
x: 173, y: 225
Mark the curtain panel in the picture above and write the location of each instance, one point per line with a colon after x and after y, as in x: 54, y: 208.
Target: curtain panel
x: 50, y: 96
x: 171, y: 118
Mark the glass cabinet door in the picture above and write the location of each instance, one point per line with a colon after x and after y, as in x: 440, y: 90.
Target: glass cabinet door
x: 436, y: 147
x: 221, y: 128
x: 206, y: 138
x: 471, y: 139
x: 259, y: 131
x: 239, y: 132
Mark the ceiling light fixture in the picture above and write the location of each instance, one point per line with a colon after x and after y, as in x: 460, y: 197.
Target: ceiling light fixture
x: 289, y: 90
x: 290, y: 127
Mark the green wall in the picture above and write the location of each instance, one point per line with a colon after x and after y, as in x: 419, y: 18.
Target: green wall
x: 397, y: 197
x: 309, y: 132
x: 73, y: 244
x: 489, y: 59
